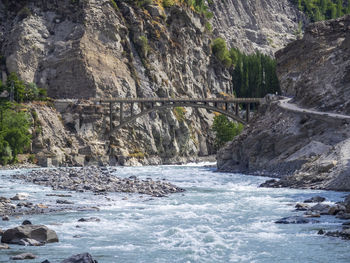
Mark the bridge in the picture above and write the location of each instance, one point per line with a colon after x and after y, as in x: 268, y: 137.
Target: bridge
x: 127, y: 110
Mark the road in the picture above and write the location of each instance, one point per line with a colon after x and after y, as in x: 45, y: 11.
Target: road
x: 285, y: 104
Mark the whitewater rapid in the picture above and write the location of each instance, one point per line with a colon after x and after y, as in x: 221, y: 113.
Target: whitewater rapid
x: 221, y: 217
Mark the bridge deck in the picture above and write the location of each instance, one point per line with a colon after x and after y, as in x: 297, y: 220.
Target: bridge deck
x: 212, y: 100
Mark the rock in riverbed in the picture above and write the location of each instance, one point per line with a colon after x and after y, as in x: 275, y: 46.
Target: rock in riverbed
x: 23, y: 256
x: 315, y: 199
x: 4, y: 246
x: 20, y: 197
x: 80, y: 258
x: 91, y: 219
x: 98, y: 180
x: 28, y: 234
x: 344, y: 234
x: 295, y: 220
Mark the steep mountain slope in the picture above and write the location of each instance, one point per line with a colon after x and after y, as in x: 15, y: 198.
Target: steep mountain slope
x: 264, y: 25
x: 312, y: 149
x: 95, y: 48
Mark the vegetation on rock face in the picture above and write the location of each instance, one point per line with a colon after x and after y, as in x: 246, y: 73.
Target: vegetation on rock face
x: 14, y: 132
x: 221, y: 52
x: 225, y: 130
x: 179, y: 113
x: 318, y: 10
x: 20, y: 91
x: 15, y: 122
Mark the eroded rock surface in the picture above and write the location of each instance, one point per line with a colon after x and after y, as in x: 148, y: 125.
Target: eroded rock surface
x: 250, y: 25
x: 312, y: 149
x: 85, y: 49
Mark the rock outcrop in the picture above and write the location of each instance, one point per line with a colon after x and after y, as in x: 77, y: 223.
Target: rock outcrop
x: 92, y: 48
x: 250, y: 25
x: 312, y: 149
x: 315, y: 70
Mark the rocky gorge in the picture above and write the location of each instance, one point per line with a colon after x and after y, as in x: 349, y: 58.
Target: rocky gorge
x: 88, y: 49
x: 306, y: 149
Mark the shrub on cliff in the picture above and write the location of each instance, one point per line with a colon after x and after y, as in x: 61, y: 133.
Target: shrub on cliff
x: 20, y: 91
x: 221, y: 52
x: 225, y: 130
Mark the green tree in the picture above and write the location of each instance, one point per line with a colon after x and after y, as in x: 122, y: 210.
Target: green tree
x: 16, y: 87
x: 15, y: 131
x: 5, y: 152
x: 225, y: 130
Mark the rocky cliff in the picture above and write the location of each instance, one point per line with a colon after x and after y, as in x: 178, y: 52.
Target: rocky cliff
x: 101, y: 48
x: 264, y: 25
x: 313, y: 149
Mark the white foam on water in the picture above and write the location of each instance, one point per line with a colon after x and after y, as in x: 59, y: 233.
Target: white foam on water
x: 128, y: 247
x: 220, y: 218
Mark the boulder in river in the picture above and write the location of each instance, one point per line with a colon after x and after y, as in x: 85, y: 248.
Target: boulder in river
x: 20, y: 197
x: 39, y: 233
x: 4, y: 246
x: 80, y: 258
x: 344, y: 234
x: 315, y: 199
x: 323, y: 209
x: 295, y: 220
x: 90, y: 219
x: 23, y: 256
x: 64, y: 202
x: 26, y: 222
x: 29, y: 242
x: 301, y: 207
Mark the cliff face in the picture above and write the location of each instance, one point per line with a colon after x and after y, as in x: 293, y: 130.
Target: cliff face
x: 250, y: 25
x: 91, y: 48
x: 316, y: 69
x: 313, y: 149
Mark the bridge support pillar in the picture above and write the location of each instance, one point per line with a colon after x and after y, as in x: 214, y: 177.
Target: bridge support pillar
x: 110, y: 118
x: 121, y: 113
x: 237, y: 109
x: 226, y: 106
x: 141, y: 106
x: 248, y: 112
x: 132, y: 109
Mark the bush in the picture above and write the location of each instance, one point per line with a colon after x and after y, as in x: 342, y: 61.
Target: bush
x: 179, y: 113
x: 22, y: 91
x: 168, y: 3
x: 225, y: 130
x: 221, y: 52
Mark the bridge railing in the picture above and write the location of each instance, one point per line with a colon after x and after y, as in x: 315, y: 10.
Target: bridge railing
x: 211, y: 100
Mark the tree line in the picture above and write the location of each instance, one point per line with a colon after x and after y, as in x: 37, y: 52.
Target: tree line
x: 318, y: 10
x: 253, y: 75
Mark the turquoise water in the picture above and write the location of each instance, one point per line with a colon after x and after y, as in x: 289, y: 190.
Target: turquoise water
x: 220, y: 218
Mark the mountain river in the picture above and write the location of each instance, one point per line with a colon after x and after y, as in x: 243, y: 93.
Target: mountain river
x: 221, y: 217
